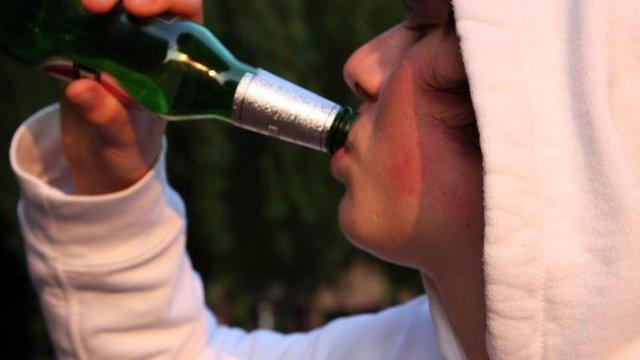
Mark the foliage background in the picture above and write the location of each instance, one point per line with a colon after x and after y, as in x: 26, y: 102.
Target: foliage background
x: 262, y: 214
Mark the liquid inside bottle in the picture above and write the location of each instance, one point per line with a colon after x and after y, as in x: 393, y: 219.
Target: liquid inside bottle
x: 175, y: 68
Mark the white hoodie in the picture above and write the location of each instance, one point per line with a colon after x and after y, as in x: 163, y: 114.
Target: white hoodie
x: 554, y: 87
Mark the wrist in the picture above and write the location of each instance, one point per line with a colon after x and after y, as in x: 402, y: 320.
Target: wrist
x: 87, y: 186
x: 101, y: 177
x: 100, y: 164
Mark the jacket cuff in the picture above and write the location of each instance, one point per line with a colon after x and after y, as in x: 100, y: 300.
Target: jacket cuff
x: 78, y: 231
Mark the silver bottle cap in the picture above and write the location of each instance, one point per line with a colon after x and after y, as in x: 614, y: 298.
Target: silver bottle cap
x: 270, y: 105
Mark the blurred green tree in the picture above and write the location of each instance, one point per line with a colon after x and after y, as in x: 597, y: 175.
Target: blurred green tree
x: 262, y: 214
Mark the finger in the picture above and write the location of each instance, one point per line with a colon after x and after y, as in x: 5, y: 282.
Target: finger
x: 190, y: 9
x: 100, y: 108
x: 99, y: 6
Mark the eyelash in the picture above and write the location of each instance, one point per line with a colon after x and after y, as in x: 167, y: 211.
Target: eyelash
x: 421, y: 29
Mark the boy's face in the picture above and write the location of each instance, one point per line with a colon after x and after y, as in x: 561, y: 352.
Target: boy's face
x: 413, y: 192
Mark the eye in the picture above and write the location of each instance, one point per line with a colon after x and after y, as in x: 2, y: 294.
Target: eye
x: 421, y: 17
x: 422, y: 29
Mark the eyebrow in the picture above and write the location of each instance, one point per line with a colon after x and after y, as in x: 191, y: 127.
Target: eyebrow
x: 428, y: 13
x: 449, y: 25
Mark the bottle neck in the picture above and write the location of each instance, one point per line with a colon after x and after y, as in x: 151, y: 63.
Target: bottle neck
x: 339, y: 131
x: 270, y: 105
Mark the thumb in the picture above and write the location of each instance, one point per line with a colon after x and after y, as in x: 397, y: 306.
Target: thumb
x: 191, y: 9
x: 98, y: 107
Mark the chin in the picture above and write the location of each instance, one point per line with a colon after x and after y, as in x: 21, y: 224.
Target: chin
x: 355, y: 222
x: 371, y: 233
x: 350, y: 222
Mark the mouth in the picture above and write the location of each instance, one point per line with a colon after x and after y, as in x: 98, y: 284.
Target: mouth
x: 339, y: 159
x: 337, y: 164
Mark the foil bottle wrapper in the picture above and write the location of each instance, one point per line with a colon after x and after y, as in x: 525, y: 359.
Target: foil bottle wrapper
x: 270, y: 105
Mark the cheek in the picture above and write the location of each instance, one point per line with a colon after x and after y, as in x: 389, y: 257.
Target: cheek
x: 402, y: 169
x: 454, y: 194
x: 398, y: 142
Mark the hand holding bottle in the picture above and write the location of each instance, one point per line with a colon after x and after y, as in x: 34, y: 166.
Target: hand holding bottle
x: 109, y: 144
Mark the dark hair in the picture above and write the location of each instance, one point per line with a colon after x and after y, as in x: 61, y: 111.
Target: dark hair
x: 462, y: 122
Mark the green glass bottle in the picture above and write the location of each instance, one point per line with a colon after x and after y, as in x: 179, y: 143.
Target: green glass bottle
x: 175, y: 68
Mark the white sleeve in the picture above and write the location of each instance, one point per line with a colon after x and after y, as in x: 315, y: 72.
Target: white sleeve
x: 115, y: 280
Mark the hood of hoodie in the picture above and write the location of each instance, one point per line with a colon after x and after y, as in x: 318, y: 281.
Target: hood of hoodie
x: 556, y: 89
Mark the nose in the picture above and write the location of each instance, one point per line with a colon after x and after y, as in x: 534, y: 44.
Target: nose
x: 362, y: 73
x: 368, y: 68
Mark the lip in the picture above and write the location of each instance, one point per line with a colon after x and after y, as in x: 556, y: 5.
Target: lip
x: 339, y: 159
